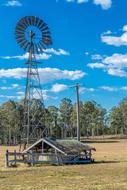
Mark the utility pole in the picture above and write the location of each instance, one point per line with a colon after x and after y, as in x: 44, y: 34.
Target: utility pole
x: 78, y: 112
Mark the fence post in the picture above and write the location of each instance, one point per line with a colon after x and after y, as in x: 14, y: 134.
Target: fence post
x: 15, y: 157
x: 57, y: 157
x: 7, y: 159
x: 32, y: 159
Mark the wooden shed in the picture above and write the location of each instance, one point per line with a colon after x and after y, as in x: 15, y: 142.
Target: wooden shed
x: 53, y: 151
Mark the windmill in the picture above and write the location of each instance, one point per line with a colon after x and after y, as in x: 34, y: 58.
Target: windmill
x: 33, y: 35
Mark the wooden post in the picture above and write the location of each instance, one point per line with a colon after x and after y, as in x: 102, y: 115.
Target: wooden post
x: 32, y: 159
x: 78, y: 112
x: 42, y: 146
x: 7, y: 159
x: 57, y: 157
x: 15, y: 157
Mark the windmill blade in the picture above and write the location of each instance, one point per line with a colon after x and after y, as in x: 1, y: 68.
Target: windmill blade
x: 18, y: 32
x: 47, y: 32
x: 21, y: 25
x: 32, y: 20
x: 19, y: 28
x: 46, y: 36
x: 20, y: 35
x: 23, y: 43
x: 26, y: 20
x: 31, y: 48
x: 37, y: 21
x: 47, y: 42
x: 44, y: 40
x: 36, y: 47
x: 21, y: 38
x: 42, y: 45
x: 42, y: 25
x: 40, y: 48
x: 23, y: 21
x: 45, y: 28
x: 26, y: 46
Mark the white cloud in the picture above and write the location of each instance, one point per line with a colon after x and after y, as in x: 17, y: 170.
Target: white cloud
x: 36, y: 95
x: 105, y: 4
x: 69, y: 1
x: 5, y: 88
x: 108, y: 88
x: 77, y: 1
x: 13, y: 3
x: 124, y: 88
x: 113, y: 89
x: 44, y: 56
x: 86, y: 53
x: 46, y: 74
x: 21, y: 93
x: 11, y: 97
x: 13, y: 86
x: 108, y: 32
x: 56, y: 52
x: 117, y: 72
x: 59, y: 87
x: 82, y: 1
x: 83, y: 89
x: 115, y: 40
x: 51, y: 74
x: 114, y: 65
x: 96, y: 65
x: 45, y: 95
x: 116, y: 60
x: 97, y: 57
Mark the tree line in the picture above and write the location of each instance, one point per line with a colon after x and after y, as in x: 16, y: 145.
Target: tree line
x: 61, y: 121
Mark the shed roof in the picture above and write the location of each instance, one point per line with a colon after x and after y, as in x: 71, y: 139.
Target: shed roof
x: 66, y: 147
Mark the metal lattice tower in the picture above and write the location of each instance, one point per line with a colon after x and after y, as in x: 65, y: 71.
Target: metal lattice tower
x: 33, y: 36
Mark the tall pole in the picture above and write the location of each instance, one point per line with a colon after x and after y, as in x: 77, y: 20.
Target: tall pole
x: 78, y: 112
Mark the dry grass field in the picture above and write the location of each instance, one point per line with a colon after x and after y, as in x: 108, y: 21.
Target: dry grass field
x: 108, y: 173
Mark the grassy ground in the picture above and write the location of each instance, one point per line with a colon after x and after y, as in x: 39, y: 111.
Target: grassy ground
x: 109, y: 173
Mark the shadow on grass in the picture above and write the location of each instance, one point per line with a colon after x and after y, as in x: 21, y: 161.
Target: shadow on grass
x: 106, y: 162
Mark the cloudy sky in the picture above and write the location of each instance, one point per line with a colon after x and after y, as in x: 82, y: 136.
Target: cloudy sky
x: 89, y: 47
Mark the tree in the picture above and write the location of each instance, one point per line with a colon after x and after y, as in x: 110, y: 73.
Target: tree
x: 53, y: 114
x: 116, y: 121
x: 118, y: 118
x: 93, y: 118
x: 65, y: 115
x: 11, y: 121
x: 74, y: 119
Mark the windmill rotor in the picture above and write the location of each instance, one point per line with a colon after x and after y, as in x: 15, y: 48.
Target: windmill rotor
x: 32, y: 27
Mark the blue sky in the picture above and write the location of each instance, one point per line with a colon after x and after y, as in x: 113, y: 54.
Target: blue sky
x: 89, y: 47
